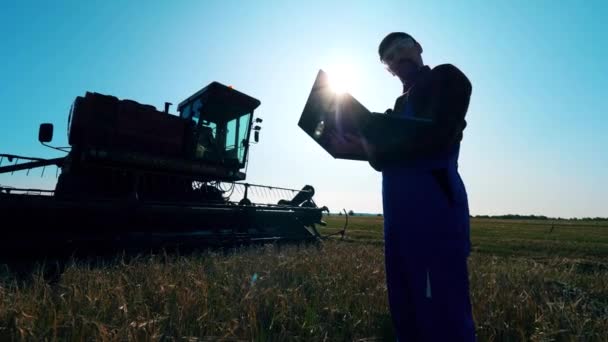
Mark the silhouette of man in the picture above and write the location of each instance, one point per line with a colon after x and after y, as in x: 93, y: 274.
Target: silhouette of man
x: 426, y: 214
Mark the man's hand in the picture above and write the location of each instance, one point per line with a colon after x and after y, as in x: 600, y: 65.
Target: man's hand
x: 355, y: 145
x: 347, y: 143
x: 386, y: 112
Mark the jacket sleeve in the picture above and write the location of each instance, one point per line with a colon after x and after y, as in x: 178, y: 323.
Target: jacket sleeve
x: 439, y: 108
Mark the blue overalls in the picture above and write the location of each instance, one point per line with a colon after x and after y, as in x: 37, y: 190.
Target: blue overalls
x: 426, y: 229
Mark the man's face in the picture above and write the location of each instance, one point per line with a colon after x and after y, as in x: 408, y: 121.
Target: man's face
x: 402, y: 57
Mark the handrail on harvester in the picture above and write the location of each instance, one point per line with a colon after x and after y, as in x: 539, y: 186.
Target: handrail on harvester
x: 31, y: 164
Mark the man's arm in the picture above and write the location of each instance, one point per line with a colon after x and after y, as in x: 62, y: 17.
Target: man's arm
x: 439, y: 107
x: 450, y: 97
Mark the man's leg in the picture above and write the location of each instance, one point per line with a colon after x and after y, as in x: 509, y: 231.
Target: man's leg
x: 400, y: 304
x: 440, y: 292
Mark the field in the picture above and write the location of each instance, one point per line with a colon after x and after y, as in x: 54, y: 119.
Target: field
x: 530, y: 280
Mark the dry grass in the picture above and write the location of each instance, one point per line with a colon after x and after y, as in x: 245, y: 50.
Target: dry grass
x: 335, y: 292
x: 260, y: 293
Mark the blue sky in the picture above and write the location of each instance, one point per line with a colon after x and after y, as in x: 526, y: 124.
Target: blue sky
x: 536, y: 138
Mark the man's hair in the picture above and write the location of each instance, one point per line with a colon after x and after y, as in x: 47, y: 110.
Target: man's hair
x: 390, y: 38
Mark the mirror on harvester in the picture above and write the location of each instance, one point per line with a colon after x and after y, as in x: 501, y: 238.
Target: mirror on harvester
x: 45, y: 132
x: 256, y: 133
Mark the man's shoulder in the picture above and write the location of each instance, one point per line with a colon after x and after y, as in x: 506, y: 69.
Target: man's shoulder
x: 447, y: 69
x: 451, y: 73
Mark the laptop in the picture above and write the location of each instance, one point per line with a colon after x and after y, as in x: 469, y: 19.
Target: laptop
x: 344, y: 128
x: 335, y: 121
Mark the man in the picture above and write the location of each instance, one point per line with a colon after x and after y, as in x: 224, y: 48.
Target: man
x: 426, y: 214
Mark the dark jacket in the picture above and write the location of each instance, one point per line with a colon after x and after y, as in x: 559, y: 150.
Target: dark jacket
x: 428, y: 119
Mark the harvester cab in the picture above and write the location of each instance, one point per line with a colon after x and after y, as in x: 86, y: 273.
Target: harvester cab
x: 221, y: 121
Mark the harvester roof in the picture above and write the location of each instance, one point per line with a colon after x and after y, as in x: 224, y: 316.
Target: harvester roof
x: 221, y: 102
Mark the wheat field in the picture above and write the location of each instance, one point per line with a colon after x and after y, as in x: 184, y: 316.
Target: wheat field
x: 530, y: 281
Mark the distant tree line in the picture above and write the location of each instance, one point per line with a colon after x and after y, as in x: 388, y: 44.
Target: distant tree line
x: 539, y: 217
x: 352, y: 213
x: 504, y: 217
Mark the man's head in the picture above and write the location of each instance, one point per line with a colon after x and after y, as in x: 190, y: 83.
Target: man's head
x: 401, y: 54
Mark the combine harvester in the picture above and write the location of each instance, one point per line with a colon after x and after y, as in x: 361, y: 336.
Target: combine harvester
x: 137, y: 177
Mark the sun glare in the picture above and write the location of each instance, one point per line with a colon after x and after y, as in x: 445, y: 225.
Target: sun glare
x: 341, y: 78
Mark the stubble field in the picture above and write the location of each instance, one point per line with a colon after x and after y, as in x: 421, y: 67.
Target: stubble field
x: 530, y: 280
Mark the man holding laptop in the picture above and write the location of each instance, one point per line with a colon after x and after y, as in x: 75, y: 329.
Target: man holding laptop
x: 426, y: 214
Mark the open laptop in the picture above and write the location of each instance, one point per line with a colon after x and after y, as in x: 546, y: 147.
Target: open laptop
x: 335, y: 121
x: 348, y: 130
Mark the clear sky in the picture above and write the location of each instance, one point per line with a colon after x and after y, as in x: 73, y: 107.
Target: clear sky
x: 536, y: 140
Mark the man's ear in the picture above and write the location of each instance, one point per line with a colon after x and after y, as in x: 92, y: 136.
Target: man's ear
x: 419, y: 47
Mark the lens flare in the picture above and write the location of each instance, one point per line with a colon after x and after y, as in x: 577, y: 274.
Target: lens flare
x: 341, y: 78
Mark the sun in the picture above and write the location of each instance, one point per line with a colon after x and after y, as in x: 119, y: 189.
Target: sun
x: 341, y: 77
